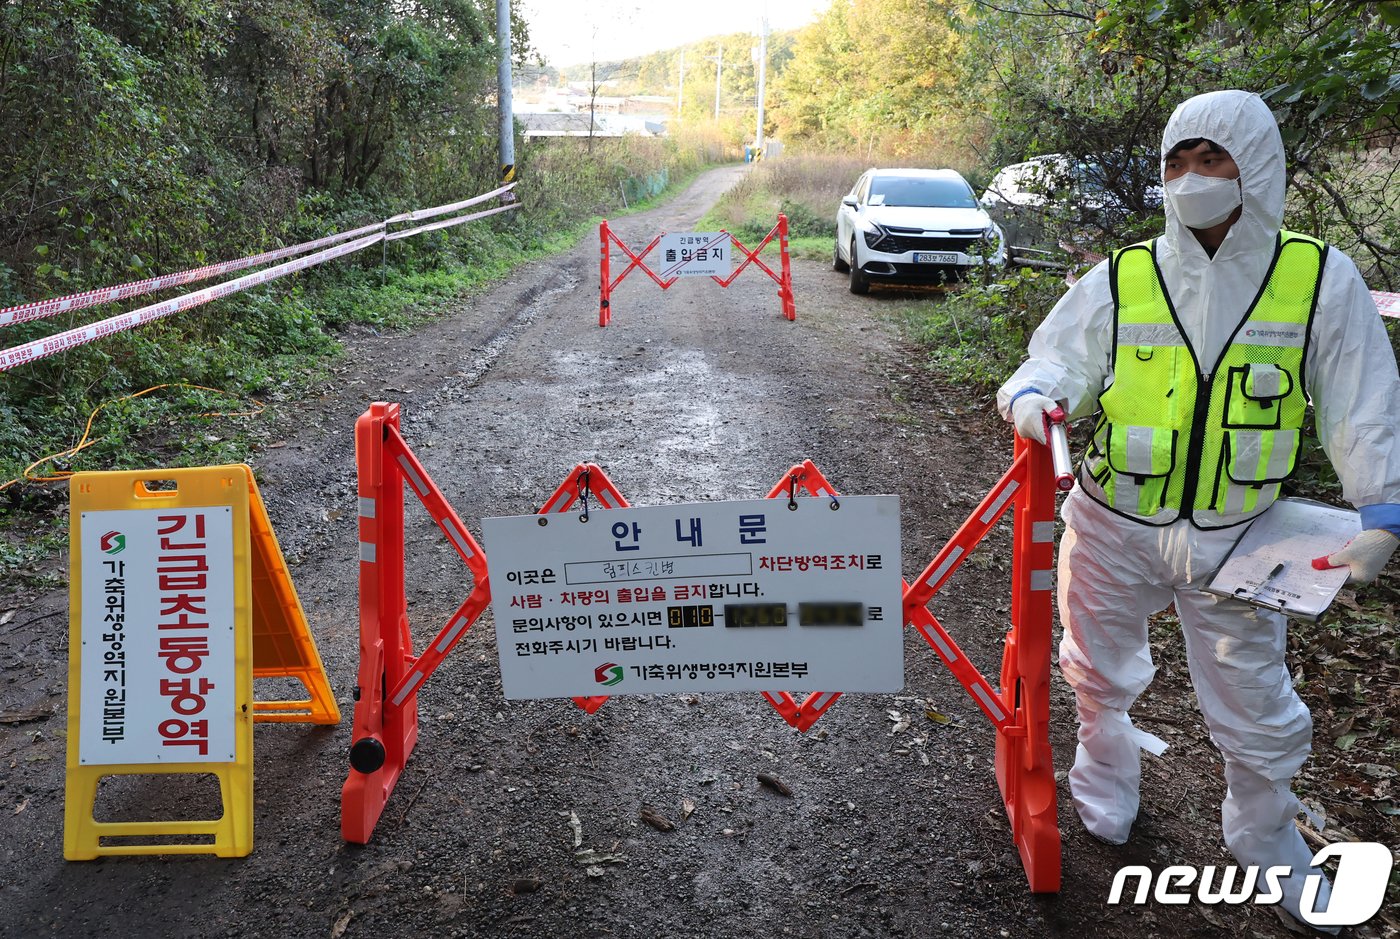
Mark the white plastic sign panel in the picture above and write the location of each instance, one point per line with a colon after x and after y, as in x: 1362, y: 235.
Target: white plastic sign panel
x: 158, y: 670
x: 715, y: 596
x: 696, y: 254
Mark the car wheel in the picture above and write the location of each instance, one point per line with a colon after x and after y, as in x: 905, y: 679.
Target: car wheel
x: 838, y: 265
x: 860, y: 283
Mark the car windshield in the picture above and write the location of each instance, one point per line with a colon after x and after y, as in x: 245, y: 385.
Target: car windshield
x: 922, y: 191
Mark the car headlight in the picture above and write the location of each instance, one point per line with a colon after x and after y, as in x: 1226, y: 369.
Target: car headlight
x: 874, y: 235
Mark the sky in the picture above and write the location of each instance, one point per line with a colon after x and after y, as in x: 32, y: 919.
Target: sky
x: 568, y: 32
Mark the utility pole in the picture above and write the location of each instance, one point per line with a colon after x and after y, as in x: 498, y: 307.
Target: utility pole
x: 719, y: 67
x: 762, y: 75
x: 680, y: 95
x: 503, y: 96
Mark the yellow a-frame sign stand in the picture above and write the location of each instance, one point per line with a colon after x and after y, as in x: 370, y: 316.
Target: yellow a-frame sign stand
x: 179, y: 598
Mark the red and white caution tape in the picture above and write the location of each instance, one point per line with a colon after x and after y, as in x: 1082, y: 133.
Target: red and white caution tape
x: 78, y: 301
x: 1387, y: 303
x: 448, y: 223
x: 373, y: 234
x: 42, y: 348
x: 444, y: 209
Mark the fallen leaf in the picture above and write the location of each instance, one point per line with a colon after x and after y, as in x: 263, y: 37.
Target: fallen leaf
x: 901, y: 723
x: 525, y: 885
x: 656, y: 820
x: 687, y: 809
x: 774, y: 783
x: 22, y: 806
x: 938, y: 717
x: 341, y: 921
x: 1342, y: 727
x: 6, y: 617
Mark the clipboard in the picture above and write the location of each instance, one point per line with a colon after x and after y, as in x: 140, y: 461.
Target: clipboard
x: 1271, y: 564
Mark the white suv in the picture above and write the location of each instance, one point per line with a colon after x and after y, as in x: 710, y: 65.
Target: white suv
x: 913, y: 226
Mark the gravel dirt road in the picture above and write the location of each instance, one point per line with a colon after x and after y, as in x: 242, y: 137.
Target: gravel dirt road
x: 893, y: 826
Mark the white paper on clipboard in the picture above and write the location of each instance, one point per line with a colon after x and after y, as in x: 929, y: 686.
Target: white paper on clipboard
x: 1271, y: 564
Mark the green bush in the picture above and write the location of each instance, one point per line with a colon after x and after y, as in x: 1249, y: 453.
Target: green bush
x: 978, y: 334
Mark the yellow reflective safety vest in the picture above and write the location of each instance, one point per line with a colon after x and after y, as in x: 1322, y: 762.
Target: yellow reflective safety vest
x: 1212, y: 442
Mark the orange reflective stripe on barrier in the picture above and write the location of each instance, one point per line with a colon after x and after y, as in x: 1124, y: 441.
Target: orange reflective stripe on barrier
x: 1020, y: 710
x: 608, y: 283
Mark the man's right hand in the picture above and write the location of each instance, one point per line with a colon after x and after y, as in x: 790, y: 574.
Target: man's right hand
x: 1028, y: 413
x: 1366, y: 555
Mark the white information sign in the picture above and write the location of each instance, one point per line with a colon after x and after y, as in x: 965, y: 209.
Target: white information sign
x: 696, y: 254
x: 713, y: 596
x: 157, y: 661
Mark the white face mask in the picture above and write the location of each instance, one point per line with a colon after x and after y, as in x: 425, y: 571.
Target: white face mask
x: 1203, y: 201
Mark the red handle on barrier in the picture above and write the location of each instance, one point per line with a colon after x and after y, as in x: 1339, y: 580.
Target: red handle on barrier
x: 1059, y: 449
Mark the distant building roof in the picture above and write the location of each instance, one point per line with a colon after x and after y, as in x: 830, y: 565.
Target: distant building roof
x: 577, y: 125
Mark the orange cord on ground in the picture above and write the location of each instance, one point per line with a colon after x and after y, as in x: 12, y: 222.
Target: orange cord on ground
x: 84, y: 442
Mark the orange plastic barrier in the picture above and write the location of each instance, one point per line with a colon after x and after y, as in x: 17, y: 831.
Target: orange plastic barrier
x: 386, y: 692
x: 588, y: 477
x: 1021, y: 710
x: 385, y: 727
x: 608, y: 283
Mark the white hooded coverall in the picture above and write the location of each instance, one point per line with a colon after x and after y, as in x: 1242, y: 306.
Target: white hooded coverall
x: 1114, y: 571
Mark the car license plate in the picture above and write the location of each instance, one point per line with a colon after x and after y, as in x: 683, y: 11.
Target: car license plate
x: 935, y: 257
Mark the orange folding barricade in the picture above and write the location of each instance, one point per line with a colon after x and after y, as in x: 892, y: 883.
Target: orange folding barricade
x: 385, y: 727
x: 386, y: 691
x: 637, y: 261
x: 1021, y: 709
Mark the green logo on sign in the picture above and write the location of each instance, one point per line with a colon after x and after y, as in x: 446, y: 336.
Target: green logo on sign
x: 114, y: 542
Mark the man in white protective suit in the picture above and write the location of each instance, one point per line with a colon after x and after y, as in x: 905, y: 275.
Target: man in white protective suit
x: 1200, y: 351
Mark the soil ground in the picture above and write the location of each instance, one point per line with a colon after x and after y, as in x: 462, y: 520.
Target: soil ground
x: 894, y: 825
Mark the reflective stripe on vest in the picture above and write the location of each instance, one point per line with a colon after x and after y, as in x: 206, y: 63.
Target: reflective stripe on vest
x: 1179, y: 439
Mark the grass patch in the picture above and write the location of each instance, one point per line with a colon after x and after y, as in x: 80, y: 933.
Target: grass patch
x: 977, y: 335
x: 807, y: 188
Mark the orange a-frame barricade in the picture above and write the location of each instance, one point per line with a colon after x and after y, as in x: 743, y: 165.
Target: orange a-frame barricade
x: 608, y: 283
x: 1021, y: 710
x: 589, y: 478
x: 386, y: 691
x: 385, y: 726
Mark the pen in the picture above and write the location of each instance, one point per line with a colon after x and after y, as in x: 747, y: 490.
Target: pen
x: 1278, y: 569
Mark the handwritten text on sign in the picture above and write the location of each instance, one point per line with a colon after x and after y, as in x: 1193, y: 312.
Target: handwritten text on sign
x: 717, y: 596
